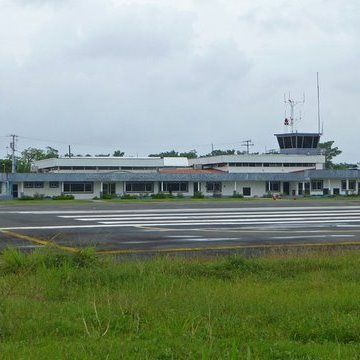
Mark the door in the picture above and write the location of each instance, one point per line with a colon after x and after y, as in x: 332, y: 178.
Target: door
x: 109, y: 189
x: 286, y: 188
x: 15, y: 192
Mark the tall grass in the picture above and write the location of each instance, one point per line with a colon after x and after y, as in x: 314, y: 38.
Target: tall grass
x: 56, y: 305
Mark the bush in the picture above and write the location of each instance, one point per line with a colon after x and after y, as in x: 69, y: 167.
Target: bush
x: 198, y: 195
x: 236, y: 195
x: 162, y: 195
x: 39, y: 196
x: 107, y: 196
x: 63, y: 197
x: 128, y: 197
x: 26, y: 197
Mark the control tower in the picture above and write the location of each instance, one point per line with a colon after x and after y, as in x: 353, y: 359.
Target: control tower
x: 293, y: 142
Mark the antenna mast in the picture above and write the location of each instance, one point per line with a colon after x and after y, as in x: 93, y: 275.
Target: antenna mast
x: 13, y: 149
x: 247, y: 143
x: 292, y: 103
x: 318, y: 101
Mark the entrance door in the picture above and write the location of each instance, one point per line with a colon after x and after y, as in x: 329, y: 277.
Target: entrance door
x: 300, y: 188
x: 196, y: 187
x: 109, y: 189
x: 307, y: 188
x: 15, y: 192
x: 286, y: 188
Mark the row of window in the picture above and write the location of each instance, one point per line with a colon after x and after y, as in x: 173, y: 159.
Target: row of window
x: 98, y: 168
x: 261, y: 164
x: 40, y: 184
x: 138, y: 187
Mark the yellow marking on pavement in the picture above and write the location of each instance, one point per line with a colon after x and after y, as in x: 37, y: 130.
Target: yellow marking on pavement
x: 265, y: 246
x: 39, y: 241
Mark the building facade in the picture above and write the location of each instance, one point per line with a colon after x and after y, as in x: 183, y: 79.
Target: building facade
x: 297, y: 170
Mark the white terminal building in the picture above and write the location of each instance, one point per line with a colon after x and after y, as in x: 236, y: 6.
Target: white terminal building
x: 298, y: 169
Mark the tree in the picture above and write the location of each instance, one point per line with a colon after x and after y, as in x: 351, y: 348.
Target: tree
x: 218, y: 152
x: 29, y: 155
x: 171, y: 153
x: 51, y: 153
x: 192, y: 154
x: 118, y: 153
x: 5, y: 165
x: 330, y: 152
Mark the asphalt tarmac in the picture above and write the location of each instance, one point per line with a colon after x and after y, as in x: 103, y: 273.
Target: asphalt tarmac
x: 201, y: 226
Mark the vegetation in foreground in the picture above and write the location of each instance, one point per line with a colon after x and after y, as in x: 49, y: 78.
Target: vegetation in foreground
x: 56, y: 305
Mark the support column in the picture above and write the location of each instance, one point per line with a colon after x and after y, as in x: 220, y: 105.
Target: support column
x: 101, y: 188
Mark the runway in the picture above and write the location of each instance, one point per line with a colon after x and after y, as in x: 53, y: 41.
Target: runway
x: 161, y: 227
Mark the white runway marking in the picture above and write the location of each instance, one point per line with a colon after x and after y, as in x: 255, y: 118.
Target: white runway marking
x: 182, y: 223
x: 273, y: 218
x: 255, y: 209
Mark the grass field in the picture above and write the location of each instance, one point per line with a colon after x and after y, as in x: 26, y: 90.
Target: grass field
x: 76, y: 306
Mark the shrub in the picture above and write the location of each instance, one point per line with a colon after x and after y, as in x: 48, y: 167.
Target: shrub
x: 26, y: 197
x: 236, y: 195
x: 198, y: 195
x: 39, y: 196
x: 128, y: 197
x: 63, y: 197
x: 107, y: 196
x: 162, y: 195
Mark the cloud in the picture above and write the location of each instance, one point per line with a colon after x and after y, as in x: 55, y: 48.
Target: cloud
x: 133, y: 32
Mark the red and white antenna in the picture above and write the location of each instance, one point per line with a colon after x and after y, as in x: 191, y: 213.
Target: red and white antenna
x: 290, y: 121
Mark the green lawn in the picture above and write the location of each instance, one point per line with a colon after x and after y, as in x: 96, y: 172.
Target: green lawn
x: 76, y: 306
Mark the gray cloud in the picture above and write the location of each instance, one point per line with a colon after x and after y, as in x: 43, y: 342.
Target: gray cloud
x: 147, y: 78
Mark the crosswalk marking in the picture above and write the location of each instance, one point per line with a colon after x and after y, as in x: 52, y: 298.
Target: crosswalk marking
x: 280, y: 217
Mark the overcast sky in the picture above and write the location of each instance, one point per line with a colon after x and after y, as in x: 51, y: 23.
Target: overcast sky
x: 146, y: 76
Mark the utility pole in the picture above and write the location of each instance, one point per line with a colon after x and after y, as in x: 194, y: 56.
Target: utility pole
x: 13, y: 149
x: 247, y: 143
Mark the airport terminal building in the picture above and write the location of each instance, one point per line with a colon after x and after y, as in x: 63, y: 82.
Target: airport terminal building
x: 298, y: 169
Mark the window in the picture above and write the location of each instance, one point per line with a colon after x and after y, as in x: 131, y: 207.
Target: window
x: 139, y: 187
x: 247, y: 191
x: 175, y: 186
x: 352, y: 185
x: 28, y: 185
x: 213, y: 187
x: 78, y: 187
x: 272, y: 186
x: 109, y: 188
x: 53, y: 184
x: 39, y: 185
x: 317, y: 185
x: 343, y: 184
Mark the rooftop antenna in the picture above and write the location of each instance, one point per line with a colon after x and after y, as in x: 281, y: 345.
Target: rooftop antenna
x: 292, y: 103
x: 247, y: 143
x: 320, y: 131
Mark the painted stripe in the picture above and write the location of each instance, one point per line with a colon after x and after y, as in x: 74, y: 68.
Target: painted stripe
x: 209, y: 214
x: 116, y: 224
x: 37, y: 240
x: 255, y: 209
x: 230, y: 216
